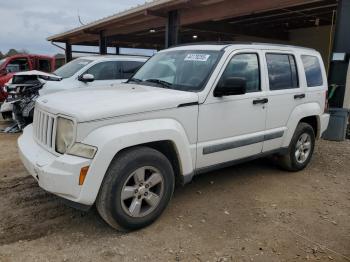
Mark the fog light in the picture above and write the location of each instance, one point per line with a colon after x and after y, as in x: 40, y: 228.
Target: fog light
x: 83, y: 172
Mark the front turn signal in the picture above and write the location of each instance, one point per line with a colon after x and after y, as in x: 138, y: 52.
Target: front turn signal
x: 83, y: 172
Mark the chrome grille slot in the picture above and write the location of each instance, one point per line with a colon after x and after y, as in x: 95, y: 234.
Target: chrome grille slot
x: 43, y: 128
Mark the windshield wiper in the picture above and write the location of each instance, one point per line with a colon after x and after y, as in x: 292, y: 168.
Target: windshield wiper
x: 136, y: 80
x: 164, y: 84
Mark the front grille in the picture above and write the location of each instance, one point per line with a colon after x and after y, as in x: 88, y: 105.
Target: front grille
x: 44, y: 128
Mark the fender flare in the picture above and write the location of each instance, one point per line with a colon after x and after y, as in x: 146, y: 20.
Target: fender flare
x: 300, y: 112
x: 113, y: 138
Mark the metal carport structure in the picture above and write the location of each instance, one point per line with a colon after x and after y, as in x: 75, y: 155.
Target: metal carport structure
x: 321, y: 24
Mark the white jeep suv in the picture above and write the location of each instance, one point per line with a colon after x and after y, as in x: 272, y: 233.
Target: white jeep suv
x: 188, y: 110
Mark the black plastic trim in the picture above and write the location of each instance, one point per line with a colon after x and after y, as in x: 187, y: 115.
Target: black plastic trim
x: 75, y: 205
x: 281, y: 151
x: 244, y: 142
x: 188, y: 104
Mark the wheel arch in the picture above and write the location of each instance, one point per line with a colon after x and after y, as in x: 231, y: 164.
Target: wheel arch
x: 307, y: 113
x: 165, y: 135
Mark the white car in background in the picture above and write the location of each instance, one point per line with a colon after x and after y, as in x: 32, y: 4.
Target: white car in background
x: 94, y: 71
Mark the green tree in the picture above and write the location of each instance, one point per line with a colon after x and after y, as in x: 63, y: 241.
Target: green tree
x: 12, y: 52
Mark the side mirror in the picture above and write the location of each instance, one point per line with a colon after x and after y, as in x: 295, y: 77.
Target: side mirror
x: 3, y: 72
x: 86, y: 78
x: 230, y: 86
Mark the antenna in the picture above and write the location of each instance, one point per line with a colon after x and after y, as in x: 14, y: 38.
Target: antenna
x: 79, y: 19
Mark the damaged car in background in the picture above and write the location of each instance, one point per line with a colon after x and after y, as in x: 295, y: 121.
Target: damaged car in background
x: 23, y: 90
x: 94, y: 71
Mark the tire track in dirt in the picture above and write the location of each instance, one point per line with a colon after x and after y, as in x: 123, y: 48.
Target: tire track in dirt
x: 28, y: 212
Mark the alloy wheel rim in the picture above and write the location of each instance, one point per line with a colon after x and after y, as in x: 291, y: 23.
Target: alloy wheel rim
x: 303, y: 148
x: 142, y: 191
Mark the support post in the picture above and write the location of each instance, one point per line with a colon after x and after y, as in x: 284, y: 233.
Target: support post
x: 117, y: 50
x: 172, y: 29
x: 102, y: 44
x: 338, y: 69
x: 68, y: 52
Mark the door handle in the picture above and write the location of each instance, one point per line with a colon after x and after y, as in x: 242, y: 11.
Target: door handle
x: 300, y: 96
x: 260, y: 101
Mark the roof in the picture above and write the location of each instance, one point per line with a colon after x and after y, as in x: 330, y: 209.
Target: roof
x: 124, y: 14
x: 114, y: 57
x: 223, y: 45
x: 144, y: 26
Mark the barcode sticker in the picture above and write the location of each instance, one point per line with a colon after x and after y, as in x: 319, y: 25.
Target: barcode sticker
x: 197, y: 57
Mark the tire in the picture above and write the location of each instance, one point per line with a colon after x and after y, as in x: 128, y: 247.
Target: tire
x: 116, y: 203
x: 294, y: 161
x: 6, y: 115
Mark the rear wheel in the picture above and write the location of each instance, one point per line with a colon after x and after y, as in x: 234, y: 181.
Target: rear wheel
x: 137, y: 188
x: 300, y: 149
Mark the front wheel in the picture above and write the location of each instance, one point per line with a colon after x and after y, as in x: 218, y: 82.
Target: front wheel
x: 137, y: 188
x: 300, y: 149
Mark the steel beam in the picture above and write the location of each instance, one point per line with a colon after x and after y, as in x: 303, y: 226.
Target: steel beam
x: 338, y: 69
x: 172, y: 29
x: 102, y: 43
x: 68, y: 52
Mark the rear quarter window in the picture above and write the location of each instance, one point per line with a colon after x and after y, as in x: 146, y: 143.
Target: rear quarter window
x: 313, y: 71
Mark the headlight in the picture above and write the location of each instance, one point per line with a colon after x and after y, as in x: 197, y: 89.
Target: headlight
x: 82, y: 150
x: 64, y: 134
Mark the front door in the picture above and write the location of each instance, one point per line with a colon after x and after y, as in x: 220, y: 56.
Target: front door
x: 105, y: 74
x: 232, y: 127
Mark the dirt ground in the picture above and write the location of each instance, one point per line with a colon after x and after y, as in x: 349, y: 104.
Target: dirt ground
x: 250, y: 212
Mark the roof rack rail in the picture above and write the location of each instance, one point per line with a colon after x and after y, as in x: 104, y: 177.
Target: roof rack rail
x: 228, y: 43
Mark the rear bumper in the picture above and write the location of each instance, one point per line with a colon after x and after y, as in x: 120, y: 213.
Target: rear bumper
x: 56, y: 174
x: 324, y: 121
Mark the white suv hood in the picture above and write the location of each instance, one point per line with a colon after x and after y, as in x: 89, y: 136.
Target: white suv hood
x: 96, y: 103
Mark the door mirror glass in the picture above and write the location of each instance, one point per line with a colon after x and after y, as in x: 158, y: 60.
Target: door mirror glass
x: 3, y: 72
x: 230, y: 86
x: 86, y: 78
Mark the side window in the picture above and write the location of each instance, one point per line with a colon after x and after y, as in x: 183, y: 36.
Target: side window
x: 44, y: 65
x: 104, y: 70
x: 282, y: 71
x: 245, y: 66
x: 18, y: 65
x: 313, y: 71
x: 130, y: 67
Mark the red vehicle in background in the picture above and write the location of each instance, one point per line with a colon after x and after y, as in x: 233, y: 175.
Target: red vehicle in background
x: 19, y: 63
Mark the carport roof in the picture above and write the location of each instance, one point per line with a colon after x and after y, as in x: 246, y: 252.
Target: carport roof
x: 144, y: 25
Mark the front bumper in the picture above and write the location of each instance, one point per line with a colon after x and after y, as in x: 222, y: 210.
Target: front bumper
x: 56, y: 174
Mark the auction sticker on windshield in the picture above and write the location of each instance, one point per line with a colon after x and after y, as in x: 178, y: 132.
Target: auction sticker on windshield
x: 197, y: 57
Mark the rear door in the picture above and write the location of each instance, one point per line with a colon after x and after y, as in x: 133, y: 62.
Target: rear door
x: 285, y: 94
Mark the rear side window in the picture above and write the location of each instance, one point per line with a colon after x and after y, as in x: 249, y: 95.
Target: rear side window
x: 130, y: 67
x: 313, y: 71
x: 282, y: 71
x: 44, y: 65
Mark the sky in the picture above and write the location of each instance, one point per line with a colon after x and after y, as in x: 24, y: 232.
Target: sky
x: 25, y: 24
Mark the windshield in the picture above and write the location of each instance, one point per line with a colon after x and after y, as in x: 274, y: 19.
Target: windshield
x: 72, y: 67
x: 186, y: 70
x: 2, y: 61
